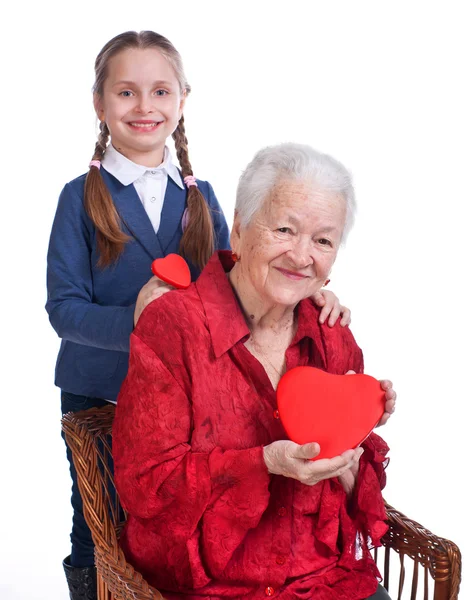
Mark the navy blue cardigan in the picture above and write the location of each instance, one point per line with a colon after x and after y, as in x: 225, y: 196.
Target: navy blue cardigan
x: 91, y: 308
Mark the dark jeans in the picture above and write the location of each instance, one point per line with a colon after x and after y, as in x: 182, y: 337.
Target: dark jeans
x: 82, y: 550
x: 381, y: 594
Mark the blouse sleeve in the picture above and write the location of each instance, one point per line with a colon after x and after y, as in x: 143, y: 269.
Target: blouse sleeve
x: 368, y: 504
x: 159, y: 477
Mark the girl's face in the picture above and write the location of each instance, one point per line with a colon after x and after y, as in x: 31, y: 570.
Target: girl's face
x: 141, y: 104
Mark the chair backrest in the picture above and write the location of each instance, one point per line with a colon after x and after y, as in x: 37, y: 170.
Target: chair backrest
x: 88, y: 435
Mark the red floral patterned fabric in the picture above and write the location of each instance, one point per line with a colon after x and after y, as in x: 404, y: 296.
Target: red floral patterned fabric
x: 205, y: 519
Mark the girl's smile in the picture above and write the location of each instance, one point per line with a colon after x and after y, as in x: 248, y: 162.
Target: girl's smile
x: 144, y: 126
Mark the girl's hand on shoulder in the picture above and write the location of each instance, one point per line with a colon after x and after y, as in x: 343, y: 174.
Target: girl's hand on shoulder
x: 331, y: 308
x: 292, y: 460
x: 149, y: 292
x: 391, y: 396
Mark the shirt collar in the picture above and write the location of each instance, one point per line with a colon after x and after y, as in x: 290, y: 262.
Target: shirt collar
x: 127, y: 172
x: 225, y: 319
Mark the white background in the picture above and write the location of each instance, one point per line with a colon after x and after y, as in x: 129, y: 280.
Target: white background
x: 383, y: 86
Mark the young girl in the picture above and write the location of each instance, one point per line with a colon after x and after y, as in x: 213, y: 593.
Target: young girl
x: 133, y: 206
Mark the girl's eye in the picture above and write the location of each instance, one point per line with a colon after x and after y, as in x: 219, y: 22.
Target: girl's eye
x: 161, y: 92
x: 126, y: 93
x: 284, y: 229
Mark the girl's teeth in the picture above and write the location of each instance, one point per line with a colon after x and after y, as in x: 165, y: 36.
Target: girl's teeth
x: 144, y: 124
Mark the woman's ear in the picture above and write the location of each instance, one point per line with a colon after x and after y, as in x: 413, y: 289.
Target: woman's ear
x: 235, y: 235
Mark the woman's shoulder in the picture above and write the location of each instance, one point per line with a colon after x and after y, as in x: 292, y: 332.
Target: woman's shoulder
x: 341, y: 350
x: 176, y: 317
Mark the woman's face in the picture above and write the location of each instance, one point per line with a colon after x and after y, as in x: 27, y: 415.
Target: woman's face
x: 288, y: 249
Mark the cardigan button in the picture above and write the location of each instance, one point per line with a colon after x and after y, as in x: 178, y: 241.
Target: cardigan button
x: 269, y: 591
x: 282, y: 512
x: 276, y: 414
x: 280, y: 560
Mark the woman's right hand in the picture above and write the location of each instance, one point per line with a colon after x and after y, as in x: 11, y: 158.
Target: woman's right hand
x: 149, y: 292
x: 292, y: 460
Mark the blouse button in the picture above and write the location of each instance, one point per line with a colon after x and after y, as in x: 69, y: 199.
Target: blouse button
x: 153, y: 199
x: 276, y: 414
x: 282, y: 512
x: 269, y: 591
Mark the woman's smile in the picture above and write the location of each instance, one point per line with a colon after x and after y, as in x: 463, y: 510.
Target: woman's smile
x: 292, y: 274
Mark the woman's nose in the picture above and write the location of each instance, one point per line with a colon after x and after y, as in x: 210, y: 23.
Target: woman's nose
x: 300, y: 255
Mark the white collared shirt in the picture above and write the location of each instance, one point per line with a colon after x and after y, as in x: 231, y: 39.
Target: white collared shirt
x: 150, y: 183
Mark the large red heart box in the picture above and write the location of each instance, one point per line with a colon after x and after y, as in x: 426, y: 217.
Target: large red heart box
x: 336, y: 411
x: 172, y: 269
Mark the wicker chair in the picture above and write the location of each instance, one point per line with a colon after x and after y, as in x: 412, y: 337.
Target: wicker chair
x: 88, y: 435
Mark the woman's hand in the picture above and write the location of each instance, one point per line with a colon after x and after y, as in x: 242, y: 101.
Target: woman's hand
x: 331, y: 308
x: 390, y: 405
x: 292, y: 460
x: 348, y: 478
x: 149, y: 292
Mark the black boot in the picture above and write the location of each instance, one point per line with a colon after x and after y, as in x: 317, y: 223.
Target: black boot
x: 82, y: 581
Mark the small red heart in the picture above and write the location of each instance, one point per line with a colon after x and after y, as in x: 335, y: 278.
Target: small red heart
x: 172, y: 269
x: 336, y: 411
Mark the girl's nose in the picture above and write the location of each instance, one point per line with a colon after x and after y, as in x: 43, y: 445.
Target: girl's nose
x: 144, y: 105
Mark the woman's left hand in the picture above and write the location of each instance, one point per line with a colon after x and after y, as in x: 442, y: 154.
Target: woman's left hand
x: 331, y: 308
x: 348, y: 478
x: 390, y: 404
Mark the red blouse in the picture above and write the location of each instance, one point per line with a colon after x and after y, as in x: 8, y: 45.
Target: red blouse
x: 205, y: 519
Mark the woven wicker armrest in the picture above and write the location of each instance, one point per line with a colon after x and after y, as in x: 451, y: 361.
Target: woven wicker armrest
x: 440, y: 557
x: 97, y: 421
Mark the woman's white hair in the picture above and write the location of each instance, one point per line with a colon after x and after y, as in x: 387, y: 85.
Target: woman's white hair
x: 291, y: 161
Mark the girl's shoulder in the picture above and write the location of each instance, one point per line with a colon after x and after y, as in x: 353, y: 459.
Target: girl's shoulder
x: 75, y: 187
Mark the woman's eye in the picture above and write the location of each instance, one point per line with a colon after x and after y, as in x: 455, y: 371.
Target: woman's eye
x: 284, y: 229
x: 126, y: 93
x: 325, y: 242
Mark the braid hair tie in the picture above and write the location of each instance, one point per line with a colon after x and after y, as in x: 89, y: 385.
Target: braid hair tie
x: 190, y: 180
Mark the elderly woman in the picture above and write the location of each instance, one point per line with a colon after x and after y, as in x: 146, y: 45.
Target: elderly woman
x: 220, y: 504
